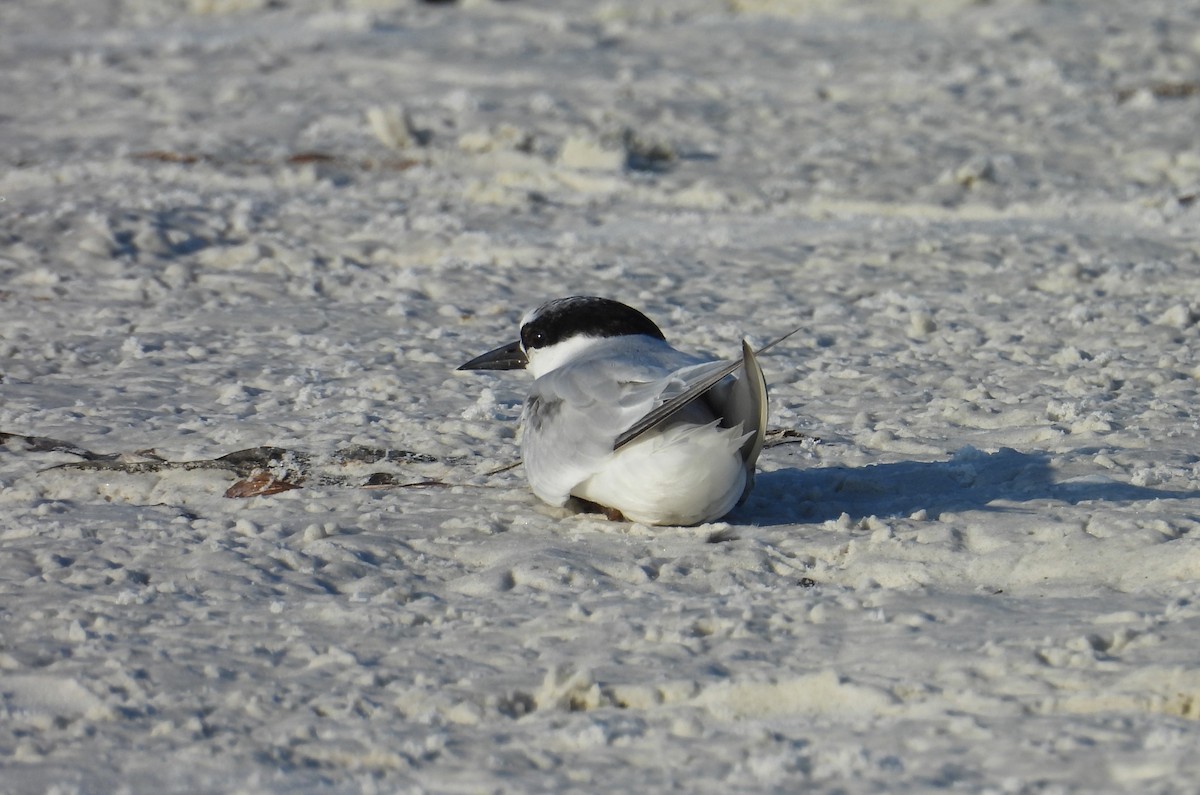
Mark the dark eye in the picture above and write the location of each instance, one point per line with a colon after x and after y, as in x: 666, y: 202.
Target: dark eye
x: 534, y: 338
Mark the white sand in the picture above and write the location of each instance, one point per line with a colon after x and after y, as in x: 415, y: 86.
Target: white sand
x: 234, y: 223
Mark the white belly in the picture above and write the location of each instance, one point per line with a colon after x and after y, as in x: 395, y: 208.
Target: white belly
x: 684, y: 475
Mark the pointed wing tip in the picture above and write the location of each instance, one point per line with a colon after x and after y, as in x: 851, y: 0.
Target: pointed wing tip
x: 755, y: 386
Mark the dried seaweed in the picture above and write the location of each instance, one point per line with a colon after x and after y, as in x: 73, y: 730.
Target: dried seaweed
x: 261, y: 470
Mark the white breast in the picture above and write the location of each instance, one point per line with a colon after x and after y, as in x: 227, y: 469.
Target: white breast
x: 683, y: 475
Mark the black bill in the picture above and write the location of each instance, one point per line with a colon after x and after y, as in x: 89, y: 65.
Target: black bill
x: 506, y: 357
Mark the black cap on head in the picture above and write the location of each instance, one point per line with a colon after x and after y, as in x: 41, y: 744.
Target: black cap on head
x: 563, y: 318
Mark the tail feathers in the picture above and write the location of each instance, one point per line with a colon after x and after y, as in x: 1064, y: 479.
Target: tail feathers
x: 748, y: 406
x: 747, y: 409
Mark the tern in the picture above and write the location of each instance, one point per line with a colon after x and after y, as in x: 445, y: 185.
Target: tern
x: 620, y: 420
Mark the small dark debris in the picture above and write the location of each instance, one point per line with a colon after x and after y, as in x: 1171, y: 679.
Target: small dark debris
x: 647, y: 154
x: 1182, y: 90
x: 517, y: 705
x: 778, y: 436
x: 44, y: 444
x: 246, y: 462
x: 259, y: 483
x: 164, y: 156
x: 310, y: 157
x: 262, y: 470
x: 362, y: 454
x: 297, y: 159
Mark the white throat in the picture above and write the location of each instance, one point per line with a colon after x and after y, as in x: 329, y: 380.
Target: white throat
x: 543, y: 360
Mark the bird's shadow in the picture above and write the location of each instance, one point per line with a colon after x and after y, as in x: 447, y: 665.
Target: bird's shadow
x: 969, y: 480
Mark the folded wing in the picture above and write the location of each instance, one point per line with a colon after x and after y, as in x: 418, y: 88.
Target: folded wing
x: 584, y: 414
x: 574, y: 413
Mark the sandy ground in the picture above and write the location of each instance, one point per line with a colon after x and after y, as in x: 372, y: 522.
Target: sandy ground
x: 972, y: 565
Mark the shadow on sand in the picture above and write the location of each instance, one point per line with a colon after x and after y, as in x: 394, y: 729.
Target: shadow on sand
x: 970, y: 480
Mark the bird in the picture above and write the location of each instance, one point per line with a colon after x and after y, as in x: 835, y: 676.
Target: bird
x: 628, y: 425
